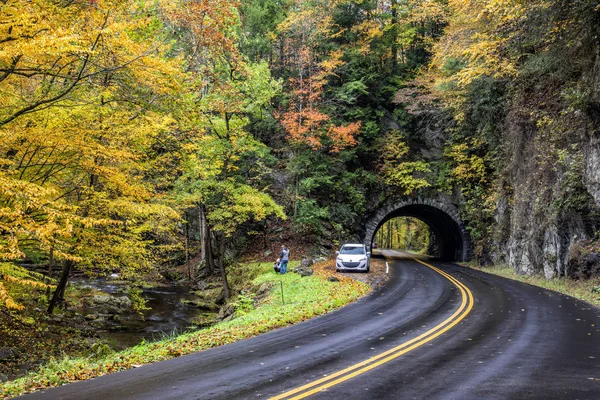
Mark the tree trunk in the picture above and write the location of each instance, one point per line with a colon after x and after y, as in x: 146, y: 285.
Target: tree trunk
x: 265, y: 235
x: 281, y: 58
x: 223, y: 273
x: 186, y: 231
x: 394, y: 37
x: 202, y: 229
x: 59, y: 293
x: 408, y: 246
x: 210, y: 261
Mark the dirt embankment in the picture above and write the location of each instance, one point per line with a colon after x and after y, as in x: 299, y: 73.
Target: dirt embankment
x: 375, y: 277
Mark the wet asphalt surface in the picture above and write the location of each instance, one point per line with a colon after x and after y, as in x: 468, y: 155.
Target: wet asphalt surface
x: 518, y: 342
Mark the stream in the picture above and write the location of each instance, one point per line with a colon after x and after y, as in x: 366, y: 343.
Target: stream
x: 167, y: 314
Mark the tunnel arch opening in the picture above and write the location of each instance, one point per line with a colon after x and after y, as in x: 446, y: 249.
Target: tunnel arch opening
x: 406, y: 234
x: 452, y: 240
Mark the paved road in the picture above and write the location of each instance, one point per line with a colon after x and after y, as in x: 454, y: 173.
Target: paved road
x: 510, y: 341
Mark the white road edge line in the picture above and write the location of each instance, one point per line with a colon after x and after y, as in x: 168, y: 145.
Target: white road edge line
x: 387, y: 268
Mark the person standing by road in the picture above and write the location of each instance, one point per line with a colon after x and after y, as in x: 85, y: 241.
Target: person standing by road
x: 284, y: 257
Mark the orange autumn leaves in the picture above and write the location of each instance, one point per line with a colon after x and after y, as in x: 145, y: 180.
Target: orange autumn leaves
x: 307, y: 127
x: 210, y: 29
x: 303, y: 117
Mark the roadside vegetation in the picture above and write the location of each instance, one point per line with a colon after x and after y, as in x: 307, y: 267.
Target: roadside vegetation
x: 587, y: 290
x: 257, y: 309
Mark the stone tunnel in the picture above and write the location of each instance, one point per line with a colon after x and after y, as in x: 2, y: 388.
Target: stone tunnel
x: 453, y: 240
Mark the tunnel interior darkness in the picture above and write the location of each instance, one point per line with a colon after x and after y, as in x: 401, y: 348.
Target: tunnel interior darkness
x: 448, y: 234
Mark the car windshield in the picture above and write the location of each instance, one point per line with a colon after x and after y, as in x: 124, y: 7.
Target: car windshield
x: 352, y: 250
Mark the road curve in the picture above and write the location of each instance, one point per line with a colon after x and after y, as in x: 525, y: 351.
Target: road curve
x: 512, y: 341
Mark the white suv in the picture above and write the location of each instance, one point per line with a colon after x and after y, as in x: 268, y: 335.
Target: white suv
x: 353, y: 257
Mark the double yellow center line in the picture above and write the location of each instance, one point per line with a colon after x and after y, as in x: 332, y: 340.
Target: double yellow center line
x: 348, y: 373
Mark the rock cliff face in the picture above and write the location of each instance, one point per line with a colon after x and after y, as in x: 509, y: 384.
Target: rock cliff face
x: 592, y: 141
x: 534, y: 231
x: 549, y: 205
x: 592, y: 167
x: 539, y: 236
x: 546, y: 179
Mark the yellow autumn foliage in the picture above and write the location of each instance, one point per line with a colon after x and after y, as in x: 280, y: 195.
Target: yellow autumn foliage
x: 103, y: 104
x: 87, y: 91
x: 468, y: 167
x: 15, y: 275
x: 477, y: 41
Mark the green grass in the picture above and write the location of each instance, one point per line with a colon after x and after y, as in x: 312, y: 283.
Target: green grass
x: 582, y: 290
x: 304, y: 298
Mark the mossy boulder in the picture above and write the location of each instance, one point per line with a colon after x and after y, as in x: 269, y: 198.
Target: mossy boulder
x: 201, y: 304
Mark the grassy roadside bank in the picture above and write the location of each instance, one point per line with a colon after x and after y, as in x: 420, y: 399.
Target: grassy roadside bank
x: 256, y: 313
x: 582, y: 290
